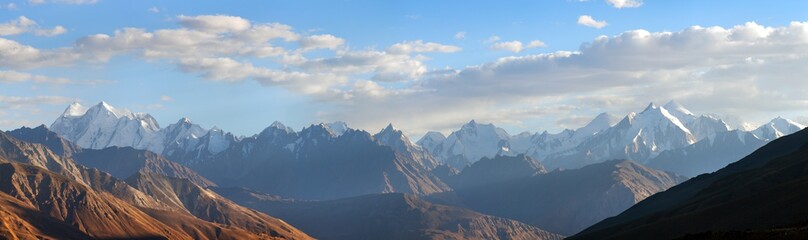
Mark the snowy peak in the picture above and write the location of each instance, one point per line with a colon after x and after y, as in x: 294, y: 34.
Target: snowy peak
x: 680, y: 112
x: 277, y: 126
x: 777, y: 128
x: 654, y: 116
x: 390, y: 136
x: 337, y: 128
x: 430, y: 141
x: 74, y: 110
x: 599, y: 123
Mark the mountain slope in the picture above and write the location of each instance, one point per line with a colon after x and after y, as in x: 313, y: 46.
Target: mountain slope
x: 494, y: 170
x: 96, y: 214
x: 209, y: 206
x: 394, y: 138
x: 99, y: 205
x: 566, y: 201
x: 708, y: 155
x: 764, y: 190
x: 125, y: 162
x: 42, y: 135
x: 387, y: 216
x: 315, y: 164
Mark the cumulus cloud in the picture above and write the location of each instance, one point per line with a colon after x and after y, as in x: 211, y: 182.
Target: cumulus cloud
x: 517, y: 46
x: 214, y: 23
x: 326, y: 41
x: 586, y: 20
x: 624, y: 3
x: 749, y: 70
x: 419, y: 46
x: 26, y: 25
x: 19, y: 56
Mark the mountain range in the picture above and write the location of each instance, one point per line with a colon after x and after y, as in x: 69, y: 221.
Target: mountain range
x: 642, y: 137
x: 334, y: 182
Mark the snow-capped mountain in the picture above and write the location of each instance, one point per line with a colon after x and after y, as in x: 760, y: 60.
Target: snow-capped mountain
x: 705, y: 126
x: 709, y: 154
x: 639, y: 136
x: 777, y: 128
x: 431, y: 140
x: 684, y: 115
x: 103, y: 126
x: 474, y: 141
x: 545, y: 144
x: 395, y: 139
x: 471, y: 143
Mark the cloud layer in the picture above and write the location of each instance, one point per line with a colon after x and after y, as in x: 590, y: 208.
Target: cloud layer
x: 746, y: 69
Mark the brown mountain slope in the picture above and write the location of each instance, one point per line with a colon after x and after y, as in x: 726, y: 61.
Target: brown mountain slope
x: 101, y: 187
x: 19, y: 220
x: 565, y: 201
x: 209, y: 206
x: 97, y: 214
x: 387, y: 216
x: 125, y: 162
x: 760, y: 193
x: 38, y: 155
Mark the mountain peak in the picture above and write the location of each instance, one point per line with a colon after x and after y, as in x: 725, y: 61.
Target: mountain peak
x: 74, y: 110
x: 337, y: 128
x: 677, y: 110
x: 278, y: 125
x: 106, y: 107
x: 651, y: 106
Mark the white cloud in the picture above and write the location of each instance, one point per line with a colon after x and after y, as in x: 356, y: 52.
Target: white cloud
x: 154, y: 10
x: 586, y: 20
x: 536, y: 44
x: 58, y: 30
x: 325, y: 41
x: 19, y: 56
x: 517, y: 46
x: 166, y: 98
x: 492, y: 39
x: 214, y: 23
x: 11, y: 6
x: 749, y: 70
x: 25, y: 25
x: 460, y: 35
x: 419, y: 46
x: 9, y: 76
x: 511, y: 46
x: 624, y: 3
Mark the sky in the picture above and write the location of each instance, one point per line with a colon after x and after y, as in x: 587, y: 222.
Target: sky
x: 420, y: 65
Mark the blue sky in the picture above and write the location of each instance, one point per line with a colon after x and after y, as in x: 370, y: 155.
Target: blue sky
x: 468, y: 78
